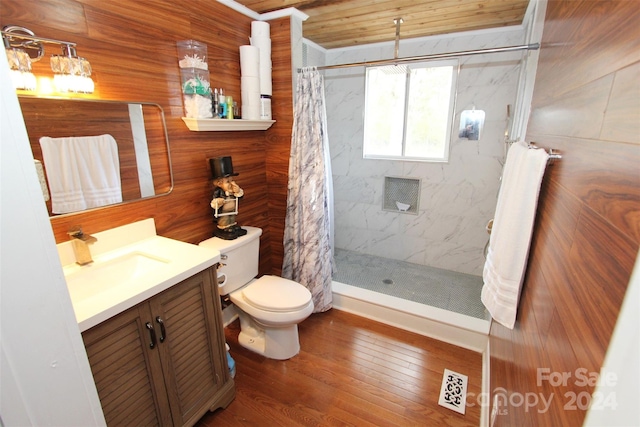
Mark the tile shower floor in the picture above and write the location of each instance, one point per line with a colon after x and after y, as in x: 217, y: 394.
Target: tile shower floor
x: 448, y: 290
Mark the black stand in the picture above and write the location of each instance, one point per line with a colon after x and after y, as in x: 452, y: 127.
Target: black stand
x: 230, y: 233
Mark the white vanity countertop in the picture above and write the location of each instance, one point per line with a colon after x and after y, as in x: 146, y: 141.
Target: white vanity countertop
x: 131, y: 264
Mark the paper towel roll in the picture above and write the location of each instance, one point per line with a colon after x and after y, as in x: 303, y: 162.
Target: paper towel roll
x: 260, y: 29
x: 249, y: 60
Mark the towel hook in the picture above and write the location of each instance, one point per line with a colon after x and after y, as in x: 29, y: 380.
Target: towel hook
x: 554, y: 155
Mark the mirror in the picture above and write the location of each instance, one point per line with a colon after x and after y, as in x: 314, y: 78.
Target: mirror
x: 471, y: 124
x: 106, y: 139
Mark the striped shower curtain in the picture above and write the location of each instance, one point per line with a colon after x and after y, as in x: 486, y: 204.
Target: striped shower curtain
x: 308, y: 233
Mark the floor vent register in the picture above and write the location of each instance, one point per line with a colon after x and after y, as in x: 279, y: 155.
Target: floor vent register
x: 453, y: 393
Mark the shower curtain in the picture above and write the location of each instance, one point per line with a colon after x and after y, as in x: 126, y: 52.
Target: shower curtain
x: 308, y: 232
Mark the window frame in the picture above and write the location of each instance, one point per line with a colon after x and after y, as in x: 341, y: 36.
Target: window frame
x: 455, y: 71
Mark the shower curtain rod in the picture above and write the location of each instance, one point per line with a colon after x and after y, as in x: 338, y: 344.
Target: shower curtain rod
x: 396, y: 61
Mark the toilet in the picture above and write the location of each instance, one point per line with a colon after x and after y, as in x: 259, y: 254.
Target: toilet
x: 269, y: 308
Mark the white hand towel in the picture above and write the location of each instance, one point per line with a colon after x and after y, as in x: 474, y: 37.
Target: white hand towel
x: 83, y: 172
x: 511, y: 233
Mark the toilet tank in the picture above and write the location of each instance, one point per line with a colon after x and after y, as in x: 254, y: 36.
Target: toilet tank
x: 239, y: 259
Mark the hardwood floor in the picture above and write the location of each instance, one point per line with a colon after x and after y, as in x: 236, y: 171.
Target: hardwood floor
x: 350, y: 371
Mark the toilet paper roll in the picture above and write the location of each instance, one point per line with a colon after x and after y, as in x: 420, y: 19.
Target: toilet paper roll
x: 250, y: 85
x: 264, y: 48
x: 251, y: 112
x: 265, y: 82
x: 250, y: 94
x: 265, y: 66
x: 250, y: 100
x: 260, y: 29
x: 249, y: 60
x: 222, y: 278
x: 261, y: 42
x: 264, y: 60
x: 249, y: 103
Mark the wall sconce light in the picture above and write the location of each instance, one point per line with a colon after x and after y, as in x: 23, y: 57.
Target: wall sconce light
x: 71, y: 72
x: 20, y: 67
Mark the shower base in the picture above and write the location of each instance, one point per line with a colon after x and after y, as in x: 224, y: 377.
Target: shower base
x: 436, y: 303
x: 435, y: 287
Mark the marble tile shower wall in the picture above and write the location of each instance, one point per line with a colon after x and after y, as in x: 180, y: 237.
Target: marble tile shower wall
x: 457, y: 198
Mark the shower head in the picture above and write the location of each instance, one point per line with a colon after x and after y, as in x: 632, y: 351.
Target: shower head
x: 396, y: 68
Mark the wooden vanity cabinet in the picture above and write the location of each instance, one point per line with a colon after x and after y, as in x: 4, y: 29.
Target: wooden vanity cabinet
x: 163, y: 362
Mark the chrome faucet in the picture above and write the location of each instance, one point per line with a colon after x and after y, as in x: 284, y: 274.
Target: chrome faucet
x: 80, y: 242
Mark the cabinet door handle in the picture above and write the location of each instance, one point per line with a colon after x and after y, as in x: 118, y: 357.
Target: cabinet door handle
x: 152, y: 333
x: 163, y: 332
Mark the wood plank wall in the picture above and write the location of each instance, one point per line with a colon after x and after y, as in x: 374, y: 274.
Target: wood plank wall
x: 132, y: 48
x: 588, y: 227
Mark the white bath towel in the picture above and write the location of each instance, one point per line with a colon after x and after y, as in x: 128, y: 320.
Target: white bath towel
x: 83, y: 172
x: 511, y: 233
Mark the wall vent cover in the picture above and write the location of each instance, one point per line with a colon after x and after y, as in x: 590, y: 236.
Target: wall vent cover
x: 401, y: 195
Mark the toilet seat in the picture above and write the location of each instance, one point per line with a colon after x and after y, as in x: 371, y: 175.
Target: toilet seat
x: 276, y: 294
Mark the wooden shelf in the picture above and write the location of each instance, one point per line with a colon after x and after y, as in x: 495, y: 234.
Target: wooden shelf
x: 224, y: 125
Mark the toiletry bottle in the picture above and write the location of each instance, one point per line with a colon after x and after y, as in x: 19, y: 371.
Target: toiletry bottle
x: 229, y: 107
x: 265, y: 107
x: 215, y: 102
x: 222, y: 102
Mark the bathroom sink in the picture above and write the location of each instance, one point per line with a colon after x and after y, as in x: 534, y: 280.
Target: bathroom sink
x: 130, y: 264
x: 104, y: 275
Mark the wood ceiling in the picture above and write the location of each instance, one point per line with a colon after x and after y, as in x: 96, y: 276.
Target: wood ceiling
x: 342, y: 23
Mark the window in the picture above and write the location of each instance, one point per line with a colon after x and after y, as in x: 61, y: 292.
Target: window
x: 409, y: 110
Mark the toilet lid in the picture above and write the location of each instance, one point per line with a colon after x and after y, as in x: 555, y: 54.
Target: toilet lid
x: 272, y: 293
